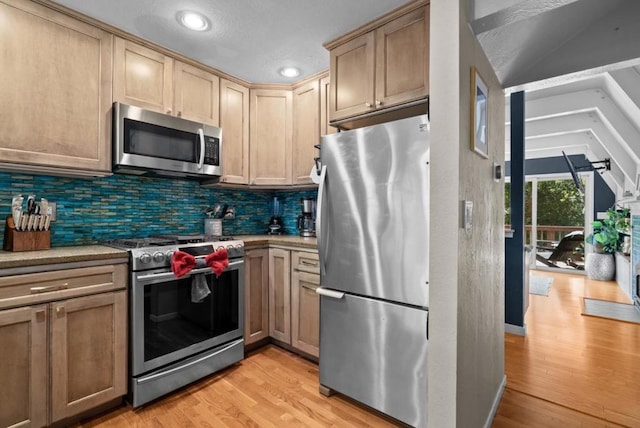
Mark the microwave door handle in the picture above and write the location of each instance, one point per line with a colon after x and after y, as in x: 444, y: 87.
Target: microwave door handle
x: 201, y: 160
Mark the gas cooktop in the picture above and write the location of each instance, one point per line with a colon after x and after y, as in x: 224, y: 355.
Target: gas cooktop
x: 156, y: 251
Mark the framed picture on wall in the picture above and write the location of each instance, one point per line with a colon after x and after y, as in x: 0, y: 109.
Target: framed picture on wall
x: 479, y: 130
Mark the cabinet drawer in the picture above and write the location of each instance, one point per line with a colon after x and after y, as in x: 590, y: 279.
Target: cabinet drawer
x: 28, y: 289
x: 305, y: 262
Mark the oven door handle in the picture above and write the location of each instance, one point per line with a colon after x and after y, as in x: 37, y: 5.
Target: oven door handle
x: 170, y: 275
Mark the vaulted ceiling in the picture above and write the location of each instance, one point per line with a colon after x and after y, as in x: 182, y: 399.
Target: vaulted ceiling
x: 578, y: 63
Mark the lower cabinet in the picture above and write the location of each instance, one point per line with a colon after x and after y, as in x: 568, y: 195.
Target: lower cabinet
x: 280, y: 298
x: 62, y: 358
x: 88, y: 342
x: 280, y: 294
x: 256, y: 295
x: 305, y: 303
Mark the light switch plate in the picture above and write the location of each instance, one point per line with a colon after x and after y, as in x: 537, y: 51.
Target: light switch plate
x: 52, y: 211
x: 467, y: 213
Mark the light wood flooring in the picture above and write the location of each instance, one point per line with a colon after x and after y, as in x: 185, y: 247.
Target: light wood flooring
x: 572, y: 370
x: 569, y: 371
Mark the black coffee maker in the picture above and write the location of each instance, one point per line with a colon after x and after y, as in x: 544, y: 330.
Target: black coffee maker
x: 307, y: 220
x: 275, y: 223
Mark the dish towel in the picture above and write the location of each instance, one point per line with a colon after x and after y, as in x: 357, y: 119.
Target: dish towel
x: 182, y: 263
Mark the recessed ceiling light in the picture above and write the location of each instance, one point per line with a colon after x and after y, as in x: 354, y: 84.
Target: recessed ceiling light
x: 289, y: 71
x: 193, y: 20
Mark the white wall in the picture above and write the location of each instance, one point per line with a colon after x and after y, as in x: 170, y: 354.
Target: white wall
x: 466, y: 355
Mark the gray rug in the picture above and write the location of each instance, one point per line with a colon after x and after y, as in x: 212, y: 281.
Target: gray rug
x: 613, y: 310
x: 539, y: 285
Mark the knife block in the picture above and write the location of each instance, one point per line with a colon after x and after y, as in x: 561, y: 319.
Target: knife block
x: 15, y: 240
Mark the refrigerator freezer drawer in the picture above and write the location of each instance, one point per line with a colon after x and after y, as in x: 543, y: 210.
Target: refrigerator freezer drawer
x: 376, y: 352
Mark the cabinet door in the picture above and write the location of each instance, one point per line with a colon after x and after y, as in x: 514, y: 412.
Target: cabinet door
x: 88, y: 352
x: 234, y: 121
x: 256, y: 295
x: 270, y: 131
x: 402, y: 59
x: 279, y: 295
x: 142, y: 77
x: 305, y: 312
x: 352, y: 77
x: 306, y: 130
x: 325, y: 91
x: 196, y: 94
x: 23, y: 367
x: 55, y: 89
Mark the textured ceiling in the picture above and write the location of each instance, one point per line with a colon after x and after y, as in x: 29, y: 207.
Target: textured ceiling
x: 249, y: 39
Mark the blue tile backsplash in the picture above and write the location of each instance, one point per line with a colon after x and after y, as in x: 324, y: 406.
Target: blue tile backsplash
x: 90, y: 211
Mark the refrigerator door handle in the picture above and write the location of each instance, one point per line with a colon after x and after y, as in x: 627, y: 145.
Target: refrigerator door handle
x: 320, y: 206
x: 329, y: 293
x: 427, y: 325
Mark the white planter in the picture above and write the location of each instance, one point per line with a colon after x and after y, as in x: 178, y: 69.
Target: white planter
x: 601, y: 267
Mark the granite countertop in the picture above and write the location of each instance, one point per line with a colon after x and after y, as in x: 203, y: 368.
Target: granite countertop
x: 253, y: 241
x: 83, y: 253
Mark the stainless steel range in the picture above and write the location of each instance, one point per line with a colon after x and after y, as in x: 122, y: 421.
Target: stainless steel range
x: 174, y: 339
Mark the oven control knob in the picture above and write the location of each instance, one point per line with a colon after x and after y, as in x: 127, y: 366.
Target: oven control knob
x: 145, y: 258
x: 158, y: 257
x: 169, y: 255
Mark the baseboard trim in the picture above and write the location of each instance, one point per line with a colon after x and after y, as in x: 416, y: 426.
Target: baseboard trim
x: 496, y: 403
x: 515, y: 329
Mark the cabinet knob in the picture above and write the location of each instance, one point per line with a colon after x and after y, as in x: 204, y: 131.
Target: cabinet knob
x: 179, y: 114
x: 60, y: 310
x: 378, y: 103
x: 168, y: 111
x: 40, y: 316
x: 367, y: 105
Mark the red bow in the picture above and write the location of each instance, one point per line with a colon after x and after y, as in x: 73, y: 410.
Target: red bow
x: 182, y: 263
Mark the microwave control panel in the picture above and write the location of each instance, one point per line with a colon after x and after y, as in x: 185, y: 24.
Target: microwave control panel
x: 212, y: 151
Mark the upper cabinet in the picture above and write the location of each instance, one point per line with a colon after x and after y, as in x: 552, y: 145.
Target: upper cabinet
x: 306, y: 130
x: 234, y: 121
x: 55, y: 91
x: 270, y: 129
x: 381, y: 65
x: 151, y: 80
x: 196, y: 94
x: 325, y: 91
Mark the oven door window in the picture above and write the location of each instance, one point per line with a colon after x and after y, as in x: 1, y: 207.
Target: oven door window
x: 173, y: 322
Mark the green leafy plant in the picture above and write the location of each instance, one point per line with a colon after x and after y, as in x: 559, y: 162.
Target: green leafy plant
x: 607, y: 233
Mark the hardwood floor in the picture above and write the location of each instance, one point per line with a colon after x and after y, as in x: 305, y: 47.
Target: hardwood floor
x: 572, y: 370
x: 270, y: 388
x: 569, y: 371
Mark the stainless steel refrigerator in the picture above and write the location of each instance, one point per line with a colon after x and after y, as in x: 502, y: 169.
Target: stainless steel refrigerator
x: 373, y: 243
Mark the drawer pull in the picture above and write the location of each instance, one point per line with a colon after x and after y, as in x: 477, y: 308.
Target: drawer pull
x: 36, y: 290
x: 308, y: 263
x: 309, y: 287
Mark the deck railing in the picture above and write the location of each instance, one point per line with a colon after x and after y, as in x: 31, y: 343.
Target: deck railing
x: 548, y: 235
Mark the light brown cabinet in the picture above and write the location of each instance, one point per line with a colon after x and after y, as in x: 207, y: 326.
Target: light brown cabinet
x: 23, y: 370
x: 386, y: 66
x: 234, y: 121
x: 306, y: 130
x: 68, y: 350
x: 325, y: 91
x: 270, y: 136
x: 256, y: 295
x: 305, y: 303
x: 280, y: 294
x: 142, y: 77
x: 196, y: 94
x: 151, y: 80
x: 55, y: 90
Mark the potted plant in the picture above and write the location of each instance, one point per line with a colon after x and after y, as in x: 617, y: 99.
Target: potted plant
x: 606, y: 240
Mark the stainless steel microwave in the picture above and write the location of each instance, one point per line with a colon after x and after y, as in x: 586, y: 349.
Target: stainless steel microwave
x: 146, y: 142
